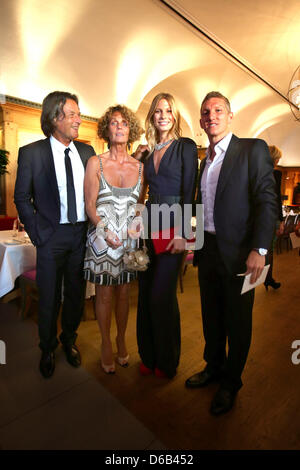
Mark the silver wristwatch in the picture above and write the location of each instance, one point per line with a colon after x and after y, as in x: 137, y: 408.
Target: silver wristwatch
x: 260, y: 251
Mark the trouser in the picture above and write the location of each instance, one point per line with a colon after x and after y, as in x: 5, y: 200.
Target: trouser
x: 158, y: 316
x: 59, y: 260
x: 225, y: 314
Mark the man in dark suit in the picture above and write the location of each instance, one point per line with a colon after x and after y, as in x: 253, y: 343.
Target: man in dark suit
x: 237, y: 190
x: 50, y: 202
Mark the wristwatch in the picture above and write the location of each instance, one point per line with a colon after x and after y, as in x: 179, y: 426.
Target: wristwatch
x: 260, y: 251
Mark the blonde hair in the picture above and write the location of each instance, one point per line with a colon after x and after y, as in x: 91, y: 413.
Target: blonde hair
x: 135, y: 129
x: 275, y: 153
x: 152, y: 134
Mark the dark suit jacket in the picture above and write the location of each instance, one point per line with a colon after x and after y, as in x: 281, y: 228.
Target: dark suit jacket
x: 245, y: 210
x: 36, y: 191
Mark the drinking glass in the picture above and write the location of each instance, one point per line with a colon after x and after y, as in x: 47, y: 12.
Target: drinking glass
x: 15, y: 228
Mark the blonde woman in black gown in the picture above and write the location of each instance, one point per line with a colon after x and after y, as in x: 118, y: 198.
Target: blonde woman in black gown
x: 169, y: 174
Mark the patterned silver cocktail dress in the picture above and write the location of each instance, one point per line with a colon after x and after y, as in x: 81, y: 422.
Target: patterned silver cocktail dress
x: 104, y: 265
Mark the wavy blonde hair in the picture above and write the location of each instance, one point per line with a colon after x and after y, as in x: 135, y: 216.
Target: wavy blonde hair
x: 275, y: 153
x: 135, y: 128
x: 152, y: 135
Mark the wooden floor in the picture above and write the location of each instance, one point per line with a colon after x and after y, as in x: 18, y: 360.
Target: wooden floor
x: 267, y: 410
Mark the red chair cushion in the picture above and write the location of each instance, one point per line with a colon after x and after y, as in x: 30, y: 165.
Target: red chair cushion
x: 189, y: 258
x: 30, y: 274
x: 6, y: 223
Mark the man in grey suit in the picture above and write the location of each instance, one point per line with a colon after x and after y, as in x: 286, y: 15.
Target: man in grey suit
x: 237, y: 190
x: 50, y: 202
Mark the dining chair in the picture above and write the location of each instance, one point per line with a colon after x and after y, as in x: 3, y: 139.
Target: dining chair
x: 29, y: 292
x: 289, y: 226
x: 6, y: 223
x: 187, y: 259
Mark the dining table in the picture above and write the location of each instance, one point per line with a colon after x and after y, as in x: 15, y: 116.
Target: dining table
x: 17, y: 255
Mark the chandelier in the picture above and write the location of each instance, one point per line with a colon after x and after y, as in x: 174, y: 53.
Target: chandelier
x: 294, y: 94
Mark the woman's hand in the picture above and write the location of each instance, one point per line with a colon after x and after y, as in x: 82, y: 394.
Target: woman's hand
x: 177, y: 245
x: 141, y: 151
x: 135, y: 227
x: 112, y: 239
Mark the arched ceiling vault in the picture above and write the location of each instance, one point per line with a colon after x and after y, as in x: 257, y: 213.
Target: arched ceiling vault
x: 109, y: 52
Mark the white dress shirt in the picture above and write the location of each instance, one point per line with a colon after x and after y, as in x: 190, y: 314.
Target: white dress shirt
x: 58, y: 150
x: 209, y: 181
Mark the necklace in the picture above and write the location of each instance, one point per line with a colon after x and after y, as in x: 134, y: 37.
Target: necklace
x: 164, y: 144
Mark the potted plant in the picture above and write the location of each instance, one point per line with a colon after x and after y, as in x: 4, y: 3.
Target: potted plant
x: 3, y: 170
x: 3, y: 161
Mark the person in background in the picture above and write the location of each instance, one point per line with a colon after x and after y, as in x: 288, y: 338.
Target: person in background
x: 237, y: 190
x: 276, y: 155
x: 49, y: 199
x: 112, y: 184
x: 169, y: 174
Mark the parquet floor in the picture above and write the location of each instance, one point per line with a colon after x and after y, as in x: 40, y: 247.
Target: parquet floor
x: 267, y: 409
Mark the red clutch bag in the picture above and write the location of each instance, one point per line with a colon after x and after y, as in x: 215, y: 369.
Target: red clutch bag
x: 161, y: 239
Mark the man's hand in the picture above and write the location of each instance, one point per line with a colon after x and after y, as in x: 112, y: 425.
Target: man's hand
x: 255, y: 265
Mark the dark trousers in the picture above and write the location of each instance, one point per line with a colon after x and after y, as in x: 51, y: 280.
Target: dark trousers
x: 59, y: 260
x: 225, y: 314
x: 158, y: 317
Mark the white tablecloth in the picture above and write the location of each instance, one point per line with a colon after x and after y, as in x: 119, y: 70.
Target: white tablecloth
x: 14, y: 260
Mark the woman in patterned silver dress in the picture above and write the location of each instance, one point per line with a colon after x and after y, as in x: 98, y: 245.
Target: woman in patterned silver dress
x: 112, y: 186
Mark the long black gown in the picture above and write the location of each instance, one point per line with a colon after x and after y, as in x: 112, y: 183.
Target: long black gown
x: 158, y: 316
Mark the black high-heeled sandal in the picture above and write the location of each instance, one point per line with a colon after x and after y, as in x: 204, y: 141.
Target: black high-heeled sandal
x: 273, y: 284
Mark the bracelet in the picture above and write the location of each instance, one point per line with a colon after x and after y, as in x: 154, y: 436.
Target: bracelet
x: 101, y: 229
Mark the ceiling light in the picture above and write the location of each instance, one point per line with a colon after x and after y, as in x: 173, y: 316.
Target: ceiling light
x: 294, y: 94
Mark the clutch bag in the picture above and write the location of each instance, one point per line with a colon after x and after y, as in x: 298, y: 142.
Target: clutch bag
x: 161, y: 239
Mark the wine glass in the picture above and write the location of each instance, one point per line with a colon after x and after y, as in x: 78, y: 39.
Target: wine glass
x: 15, y: 228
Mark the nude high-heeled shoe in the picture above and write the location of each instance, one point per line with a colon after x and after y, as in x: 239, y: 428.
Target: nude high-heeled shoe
x: 123, y: 361
x: 108, y: 369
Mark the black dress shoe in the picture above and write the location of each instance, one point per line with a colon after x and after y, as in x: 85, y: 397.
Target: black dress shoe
x: 47, y: 364
x: 222, y: 402
x: 72, y: 354
x: 202, y: 379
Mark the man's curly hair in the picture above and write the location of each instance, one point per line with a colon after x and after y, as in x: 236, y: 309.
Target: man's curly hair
x: 135, y: 129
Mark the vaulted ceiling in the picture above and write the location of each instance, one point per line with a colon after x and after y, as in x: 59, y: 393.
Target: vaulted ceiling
x: 127, y: 51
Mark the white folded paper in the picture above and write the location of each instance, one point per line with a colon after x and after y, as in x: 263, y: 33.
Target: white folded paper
x: 246, y: 284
